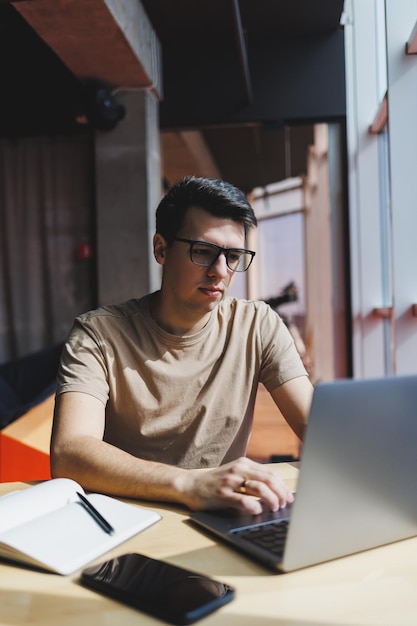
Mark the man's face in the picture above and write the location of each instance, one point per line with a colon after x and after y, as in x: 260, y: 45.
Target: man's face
x: 192, y: 288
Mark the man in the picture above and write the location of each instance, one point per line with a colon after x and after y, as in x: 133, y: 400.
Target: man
x: 154, y: 391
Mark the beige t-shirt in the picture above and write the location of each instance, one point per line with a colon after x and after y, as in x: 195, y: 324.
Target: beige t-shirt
x: 186, y: 401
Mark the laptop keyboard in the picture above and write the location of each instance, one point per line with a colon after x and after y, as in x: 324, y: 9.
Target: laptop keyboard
x: 271, y: 537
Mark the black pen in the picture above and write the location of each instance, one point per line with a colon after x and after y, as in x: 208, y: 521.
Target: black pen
x: 103, y: 523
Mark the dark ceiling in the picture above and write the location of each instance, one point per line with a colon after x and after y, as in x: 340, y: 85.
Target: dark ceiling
x: 193, y: 19
x: 252, y: 87
x: 252, y: 76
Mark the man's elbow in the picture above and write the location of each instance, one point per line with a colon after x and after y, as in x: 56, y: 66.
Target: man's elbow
x: 57, y: 468
x: 60, y: 462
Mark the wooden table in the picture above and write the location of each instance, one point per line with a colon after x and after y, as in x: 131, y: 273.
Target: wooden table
x: 378, y: 587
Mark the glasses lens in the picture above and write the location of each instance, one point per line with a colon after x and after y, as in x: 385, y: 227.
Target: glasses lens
x: 206, y: 254
x: 203, y: 254
x: 238, y: 261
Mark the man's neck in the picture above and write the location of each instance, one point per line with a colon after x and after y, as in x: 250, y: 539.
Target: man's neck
x: 175, y: 325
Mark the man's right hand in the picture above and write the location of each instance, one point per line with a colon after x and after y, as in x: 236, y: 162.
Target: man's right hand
x: 239, y: 484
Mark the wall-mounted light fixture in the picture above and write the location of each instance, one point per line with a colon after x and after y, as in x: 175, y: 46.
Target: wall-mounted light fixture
x: 101, y: 108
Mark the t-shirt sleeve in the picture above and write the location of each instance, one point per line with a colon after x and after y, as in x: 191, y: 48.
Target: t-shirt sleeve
x: 83, y: 365
x: 281, y: 360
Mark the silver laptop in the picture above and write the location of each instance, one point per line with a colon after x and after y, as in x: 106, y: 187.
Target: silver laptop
x: 357, y: 486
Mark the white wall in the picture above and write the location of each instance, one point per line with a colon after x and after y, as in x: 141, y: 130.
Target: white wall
x: 401, y: 16
x: 382, y: 184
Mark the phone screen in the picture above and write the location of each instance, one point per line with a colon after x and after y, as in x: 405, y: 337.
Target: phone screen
x: 166, y: 591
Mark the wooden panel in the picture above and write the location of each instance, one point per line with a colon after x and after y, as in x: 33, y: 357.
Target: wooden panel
x: 271, y: 435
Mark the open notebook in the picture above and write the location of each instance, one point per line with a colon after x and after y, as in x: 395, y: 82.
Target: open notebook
x: 50, y: 527
x: 357, y: 487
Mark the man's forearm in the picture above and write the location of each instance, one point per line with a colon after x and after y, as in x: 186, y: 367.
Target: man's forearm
x: 101, y: 467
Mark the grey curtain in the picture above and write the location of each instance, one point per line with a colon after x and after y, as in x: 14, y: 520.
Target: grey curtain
x: 45, y: 216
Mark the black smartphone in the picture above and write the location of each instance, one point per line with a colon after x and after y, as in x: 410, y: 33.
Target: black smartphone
x: 171, y: 593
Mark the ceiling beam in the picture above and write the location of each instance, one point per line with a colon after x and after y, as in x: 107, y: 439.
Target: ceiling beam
x: 186, y: 153
x: 108, y: 40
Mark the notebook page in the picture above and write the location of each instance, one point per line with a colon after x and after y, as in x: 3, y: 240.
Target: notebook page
x: 19, y: 507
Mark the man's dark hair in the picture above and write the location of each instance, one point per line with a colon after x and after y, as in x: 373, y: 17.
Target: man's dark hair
x: 217, y: 197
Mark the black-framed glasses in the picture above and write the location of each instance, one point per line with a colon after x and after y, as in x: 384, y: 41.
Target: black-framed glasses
x: 205, y: 254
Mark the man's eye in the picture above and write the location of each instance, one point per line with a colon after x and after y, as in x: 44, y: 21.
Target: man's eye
x: 234, y: 257
x: 203, y: 253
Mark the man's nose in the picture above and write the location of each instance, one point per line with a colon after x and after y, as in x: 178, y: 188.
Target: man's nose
x: 219, y: 267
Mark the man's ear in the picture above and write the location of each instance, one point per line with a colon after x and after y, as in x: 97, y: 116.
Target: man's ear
x: 159, y: 248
